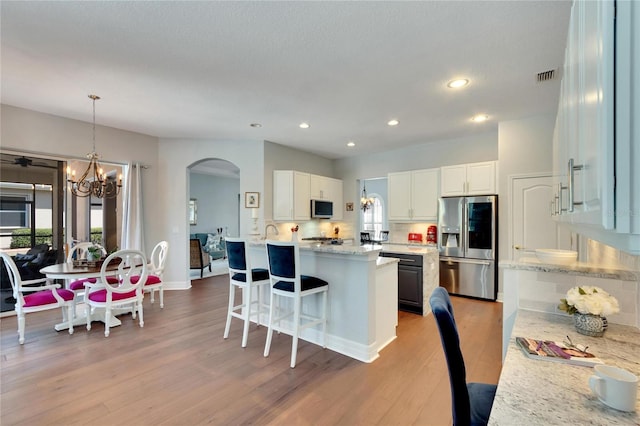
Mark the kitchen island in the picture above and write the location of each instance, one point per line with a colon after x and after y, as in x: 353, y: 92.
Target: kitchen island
x: 362, y: 300
x: 430, y: 274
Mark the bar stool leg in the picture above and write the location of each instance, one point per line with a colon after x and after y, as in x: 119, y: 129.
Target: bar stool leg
x: 232, y: 296
x: 267, y: 346
x: 324, y: 318
x: 296, y: 329
x: 246, y: 303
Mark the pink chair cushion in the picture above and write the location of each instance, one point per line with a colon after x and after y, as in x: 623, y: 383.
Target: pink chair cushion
x: 151, y: 279
x: 46, y: 297
x: 100, y: 296
x: 79, y: 284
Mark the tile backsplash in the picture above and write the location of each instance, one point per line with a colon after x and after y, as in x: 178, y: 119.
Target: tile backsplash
x: 605, y: 255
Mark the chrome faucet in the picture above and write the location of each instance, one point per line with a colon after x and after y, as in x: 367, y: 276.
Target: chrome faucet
x: 266, y: 229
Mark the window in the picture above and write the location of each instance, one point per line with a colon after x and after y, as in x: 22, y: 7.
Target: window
x: 96, y: 213
x: 373, y: 218
x: 14, y: 211
x: 26, y: 215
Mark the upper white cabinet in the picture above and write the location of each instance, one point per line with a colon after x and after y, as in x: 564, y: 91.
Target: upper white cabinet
x: 291, y: 195
x: 413, y: 195
x: 326, y: 188
x: 594, y: 153
x: 293, y: 191
x: 468, y: 179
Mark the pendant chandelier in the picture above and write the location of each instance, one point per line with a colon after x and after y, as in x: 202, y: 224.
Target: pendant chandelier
x: 365, y: 202
x: 94, y: 181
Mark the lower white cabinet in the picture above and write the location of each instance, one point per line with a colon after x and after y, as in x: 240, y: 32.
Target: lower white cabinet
x: 413, y: 195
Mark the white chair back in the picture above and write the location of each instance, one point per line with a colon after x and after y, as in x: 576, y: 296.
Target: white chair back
x: 14, y: 278
x: 159, y: 258
x: 131, y: 273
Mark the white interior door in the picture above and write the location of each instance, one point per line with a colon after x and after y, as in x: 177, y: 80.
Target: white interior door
x: 532, y: 226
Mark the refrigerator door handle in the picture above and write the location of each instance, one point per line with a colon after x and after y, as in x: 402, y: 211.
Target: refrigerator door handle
x: 465, y: 225
x: 466, y: 260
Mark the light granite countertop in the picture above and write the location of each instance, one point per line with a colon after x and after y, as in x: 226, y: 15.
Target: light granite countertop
x: 410, y: 248
x: 578, y: 268
x: 540, y: 392
x: 344, y: 249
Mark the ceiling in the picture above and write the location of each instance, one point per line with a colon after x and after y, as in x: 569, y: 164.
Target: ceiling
x: 208, y: 70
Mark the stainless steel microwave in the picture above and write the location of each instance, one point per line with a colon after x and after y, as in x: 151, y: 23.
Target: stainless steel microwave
x: 321, y: 209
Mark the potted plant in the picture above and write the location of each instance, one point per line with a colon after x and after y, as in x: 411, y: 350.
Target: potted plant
x: 589, y: 306
x: 94, y: 253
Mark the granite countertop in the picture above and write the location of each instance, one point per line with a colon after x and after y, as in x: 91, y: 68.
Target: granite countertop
x: 540, y: 392
x: 410, y: 248
x: 344, y: 249
x: 578, y: 268
x: 385, y: 261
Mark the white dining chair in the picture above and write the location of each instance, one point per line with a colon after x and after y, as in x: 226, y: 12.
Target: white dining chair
x: 156, y: 271
x: 126, y: 291
x: 77, y: 252
x: 31, y: 297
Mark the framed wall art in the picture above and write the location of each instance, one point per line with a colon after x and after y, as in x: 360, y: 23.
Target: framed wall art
x: 252, y: 200
x: 193, y: 211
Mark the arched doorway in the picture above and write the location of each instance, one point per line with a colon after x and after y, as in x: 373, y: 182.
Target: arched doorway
x: 214, y: 208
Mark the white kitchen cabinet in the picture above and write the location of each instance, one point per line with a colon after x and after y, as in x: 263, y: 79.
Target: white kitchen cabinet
x: 326, y: 188
x: 413, y: 195
x: 583, y: 158
x: 594, y: 153
x: 468, y: 179
x: 291, y: 200
x: 336, y: 192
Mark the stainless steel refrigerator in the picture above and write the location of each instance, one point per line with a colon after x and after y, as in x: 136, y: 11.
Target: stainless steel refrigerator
x: 468, y: 229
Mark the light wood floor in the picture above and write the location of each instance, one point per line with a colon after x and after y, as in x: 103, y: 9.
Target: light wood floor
x: 178, y: 370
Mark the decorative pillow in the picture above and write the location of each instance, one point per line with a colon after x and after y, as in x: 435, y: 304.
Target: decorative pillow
x: 213, y: 243
x: 27, y: 257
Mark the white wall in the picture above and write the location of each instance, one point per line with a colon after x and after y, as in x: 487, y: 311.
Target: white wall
x: 175, y: 156
x: 524, y: 147
x: 31, y: 132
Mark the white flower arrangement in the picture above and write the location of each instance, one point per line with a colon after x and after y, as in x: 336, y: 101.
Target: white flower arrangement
x: 589, y: 300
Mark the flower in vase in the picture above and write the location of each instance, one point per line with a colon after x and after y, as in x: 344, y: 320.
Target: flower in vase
x: 589, y: 300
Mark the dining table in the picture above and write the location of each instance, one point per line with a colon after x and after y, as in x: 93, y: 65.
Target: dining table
x: 70, y: 272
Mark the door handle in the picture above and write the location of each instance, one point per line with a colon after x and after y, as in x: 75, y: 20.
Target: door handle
x: 571, y: 169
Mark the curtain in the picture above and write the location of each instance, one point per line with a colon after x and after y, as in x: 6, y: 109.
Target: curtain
x: 132, y: 219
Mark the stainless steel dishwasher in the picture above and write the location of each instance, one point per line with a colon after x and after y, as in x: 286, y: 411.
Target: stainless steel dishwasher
x: 410, y: 286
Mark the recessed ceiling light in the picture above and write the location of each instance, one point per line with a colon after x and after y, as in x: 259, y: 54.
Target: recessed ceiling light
x: 393, y: 122
x: 351, y: 144
x: 480, y: 118
x: 457, y: 83
x: 304, y: 125
x: 255, y: 125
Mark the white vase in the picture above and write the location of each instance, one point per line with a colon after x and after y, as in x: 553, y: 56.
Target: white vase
x: 589, y: 324
x: 294, y: 236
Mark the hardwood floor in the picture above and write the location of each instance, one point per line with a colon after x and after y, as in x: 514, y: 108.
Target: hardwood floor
x: 178, y: 370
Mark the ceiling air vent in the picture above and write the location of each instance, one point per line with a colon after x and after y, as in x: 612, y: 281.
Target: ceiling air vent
x: 546, y: 76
